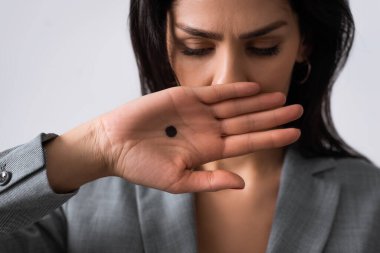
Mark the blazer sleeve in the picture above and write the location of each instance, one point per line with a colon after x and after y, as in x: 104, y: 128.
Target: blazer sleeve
x: 47, y: 235
x: 25, y: 193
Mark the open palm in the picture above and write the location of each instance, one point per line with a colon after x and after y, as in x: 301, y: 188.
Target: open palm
x: 211, y: 123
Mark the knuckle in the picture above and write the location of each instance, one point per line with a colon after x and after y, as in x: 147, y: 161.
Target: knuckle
x: 210, y: 179
x: 223, y: 127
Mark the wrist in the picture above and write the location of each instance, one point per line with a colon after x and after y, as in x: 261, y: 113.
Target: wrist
x: 74, y: 159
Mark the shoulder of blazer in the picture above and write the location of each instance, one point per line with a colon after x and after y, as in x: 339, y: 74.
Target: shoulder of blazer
x: 356, y: 168
x: 356, y: 175
x: 351, y: 174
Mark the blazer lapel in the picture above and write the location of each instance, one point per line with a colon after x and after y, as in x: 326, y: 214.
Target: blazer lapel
x: 304, y: 213
x: 305, y: 207
x: 167, y: 221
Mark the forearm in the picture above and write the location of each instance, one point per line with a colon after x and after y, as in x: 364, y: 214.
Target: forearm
x: 73, y: 158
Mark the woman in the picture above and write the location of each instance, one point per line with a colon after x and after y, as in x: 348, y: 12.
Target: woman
x: 216, y: 133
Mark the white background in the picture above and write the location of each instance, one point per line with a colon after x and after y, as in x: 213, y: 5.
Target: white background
x: 63, y: 62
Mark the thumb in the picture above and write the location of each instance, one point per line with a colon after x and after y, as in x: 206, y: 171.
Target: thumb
x: 201, y: 181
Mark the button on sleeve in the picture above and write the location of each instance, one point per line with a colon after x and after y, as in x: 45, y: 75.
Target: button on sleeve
x: 5, y: 176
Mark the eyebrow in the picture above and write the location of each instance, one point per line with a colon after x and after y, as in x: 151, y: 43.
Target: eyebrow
x: 245, y: 36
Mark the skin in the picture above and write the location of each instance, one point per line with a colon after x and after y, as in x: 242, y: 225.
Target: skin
x: 228, y: 114
x: 227, y: 58
x: 124, y: 141
x: 235, y: 118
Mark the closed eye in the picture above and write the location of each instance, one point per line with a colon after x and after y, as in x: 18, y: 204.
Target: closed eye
x: 200, y: 52
x: 268, y: 51
x: 196, y: 52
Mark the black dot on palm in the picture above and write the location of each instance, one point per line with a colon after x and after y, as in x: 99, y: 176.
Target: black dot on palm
x: 171, y: 131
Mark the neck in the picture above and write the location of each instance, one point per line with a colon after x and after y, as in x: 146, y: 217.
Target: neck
x: 258, y: 165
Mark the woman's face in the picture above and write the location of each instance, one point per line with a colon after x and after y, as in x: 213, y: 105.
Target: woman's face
x: 223, y: 41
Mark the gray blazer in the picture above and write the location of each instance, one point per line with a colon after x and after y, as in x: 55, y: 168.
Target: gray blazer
x: 324, y: 205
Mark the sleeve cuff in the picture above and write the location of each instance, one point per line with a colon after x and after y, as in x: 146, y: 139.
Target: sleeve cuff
x: 27, y: 196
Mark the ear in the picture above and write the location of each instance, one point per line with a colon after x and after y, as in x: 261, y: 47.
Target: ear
x: 304, y: 51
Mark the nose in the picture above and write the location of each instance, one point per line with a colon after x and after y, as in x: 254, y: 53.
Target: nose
x: 229, y: 68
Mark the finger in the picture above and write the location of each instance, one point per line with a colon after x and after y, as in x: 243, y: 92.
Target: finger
x: 202, y: 181
x: 236, y: 145
x: 217, y: 93
x: 236, y: 107
x: 261, y: 120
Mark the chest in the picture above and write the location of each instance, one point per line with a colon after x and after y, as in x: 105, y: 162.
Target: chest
x: 233, y: 222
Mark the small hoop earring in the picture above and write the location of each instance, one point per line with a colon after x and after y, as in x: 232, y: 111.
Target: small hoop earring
x: 308, y: 64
